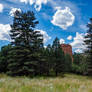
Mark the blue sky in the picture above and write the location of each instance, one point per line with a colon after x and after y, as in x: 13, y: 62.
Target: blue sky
x: 65, y: 19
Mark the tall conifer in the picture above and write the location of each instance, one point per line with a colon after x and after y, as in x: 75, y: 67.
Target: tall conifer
x: 58, y: 57
x: 23, y: 57
x: 88, y: 44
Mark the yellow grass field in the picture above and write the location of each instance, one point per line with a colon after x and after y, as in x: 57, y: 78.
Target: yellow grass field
x: 70, y: 83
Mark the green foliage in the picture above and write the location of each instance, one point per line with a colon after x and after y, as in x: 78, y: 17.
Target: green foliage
x: 47, y: 59
x: 4, y: 58
x: 27, y: 43
x: 88, y: 44
x: 68, y: 63
x: 84, y: 65
x: 22, y: 29
x: 77, y: 58
x: 79, y: 65
x: 17, y: 62
x: 58, y: 57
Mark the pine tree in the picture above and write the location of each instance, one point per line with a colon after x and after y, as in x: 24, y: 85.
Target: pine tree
x: 88, y: 44
x: 79, y: 64
x: 77, y: 58
x: 23, y: 28
x: 23, y: 58
x: 17, y: 59
x: 4, y: 58
x: 48, y: 59
x: 49, y: 56
x: 68, y: 63
x: 58, y: 57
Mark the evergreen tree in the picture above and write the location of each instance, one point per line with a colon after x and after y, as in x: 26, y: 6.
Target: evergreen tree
x: 48, y: 59
x: 79, y: 64
x: 23, y: 28
x: 83, y: 65
x: 77, y: 58
x: 68, y: 63
x: 58, y: 57
x: 23, y: 58
x: 88, y: 44
x: 4, y: 58
x: 49, y: 56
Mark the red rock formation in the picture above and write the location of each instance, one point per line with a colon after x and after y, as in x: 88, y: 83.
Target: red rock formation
x: 67, y: 49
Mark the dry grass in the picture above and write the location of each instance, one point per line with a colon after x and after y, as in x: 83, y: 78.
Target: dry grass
x: 70, y: 83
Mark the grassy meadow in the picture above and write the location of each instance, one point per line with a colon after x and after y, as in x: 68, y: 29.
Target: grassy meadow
x: 69, y: 83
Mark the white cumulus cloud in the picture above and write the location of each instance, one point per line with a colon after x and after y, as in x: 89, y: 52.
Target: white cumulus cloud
x: 25, y: 1
x: 69, y: 37
x: 37, y: 3
x: 78, y: 51
x: 46, y: 37
x: 78, y: 42
x: 62, y: 41
x: 4, y: 32
x: 84, y: 27
x: 13, y: 10
x: 63, y: 18
x: 1, y: 7
x: 57, y: 8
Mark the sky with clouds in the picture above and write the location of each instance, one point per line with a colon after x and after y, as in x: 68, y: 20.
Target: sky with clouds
x: 65, y: 19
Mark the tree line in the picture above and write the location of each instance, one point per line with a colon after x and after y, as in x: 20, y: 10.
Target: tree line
x: 26, y: 55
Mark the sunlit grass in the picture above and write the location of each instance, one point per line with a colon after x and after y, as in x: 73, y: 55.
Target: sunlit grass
x: 69, y: 83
